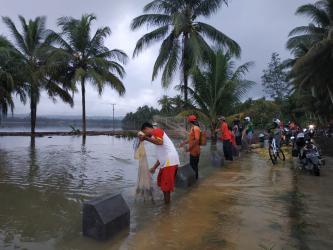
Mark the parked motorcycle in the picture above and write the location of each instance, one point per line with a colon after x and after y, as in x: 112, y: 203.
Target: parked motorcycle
x: 307, y: 152
x: 310, y: 158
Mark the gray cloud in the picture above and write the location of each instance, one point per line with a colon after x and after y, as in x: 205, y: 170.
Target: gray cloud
x: 259, y: 26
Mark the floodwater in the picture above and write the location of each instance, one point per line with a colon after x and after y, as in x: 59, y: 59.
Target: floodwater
x: 247, y: 204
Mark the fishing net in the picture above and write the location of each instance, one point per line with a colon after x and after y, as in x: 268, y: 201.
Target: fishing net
x: 144, y: 185
x: 174, y: 126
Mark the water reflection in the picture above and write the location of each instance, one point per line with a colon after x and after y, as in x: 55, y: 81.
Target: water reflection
x: 245, y: 205
x: 43, y: 182
x: 33, y: 167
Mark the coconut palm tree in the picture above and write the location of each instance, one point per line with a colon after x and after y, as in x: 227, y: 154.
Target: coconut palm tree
x: 166, y: 104
x: 314, y: 69
x: 6, y: 79
x: 183, y: 36
x: 87, y: 58
x: 178, y: 103
x: 217, y: 88
x: 35, y: 57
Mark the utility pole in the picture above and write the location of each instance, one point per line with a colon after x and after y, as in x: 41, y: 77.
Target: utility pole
x: 113, y: 104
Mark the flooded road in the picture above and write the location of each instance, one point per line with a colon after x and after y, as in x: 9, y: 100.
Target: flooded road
x: 247, y: 204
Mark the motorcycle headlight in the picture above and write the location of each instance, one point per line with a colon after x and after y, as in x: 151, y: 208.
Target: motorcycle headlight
x: 311, y: 126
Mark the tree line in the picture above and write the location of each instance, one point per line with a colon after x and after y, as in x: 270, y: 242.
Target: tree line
x: 204, y: 57
x: 37, y: 59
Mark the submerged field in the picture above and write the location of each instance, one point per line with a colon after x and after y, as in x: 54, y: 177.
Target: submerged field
x: 245, y: 205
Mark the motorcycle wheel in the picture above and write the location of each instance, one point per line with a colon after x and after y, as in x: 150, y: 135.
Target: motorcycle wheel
x: 271, y: 155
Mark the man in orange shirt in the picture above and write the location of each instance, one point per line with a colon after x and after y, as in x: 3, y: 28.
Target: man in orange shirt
x: 226, y: 138
x: 194, y: 144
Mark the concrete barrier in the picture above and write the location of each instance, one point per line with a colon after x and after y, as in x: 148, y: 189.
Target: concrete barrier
x: 185, y: 176
x: 105, y: 216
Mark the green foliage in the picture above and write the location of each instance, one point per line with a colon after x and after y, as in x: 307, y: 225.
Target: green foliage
x: 261, y: 111
x: 183, y: 36
x: 171, y: 105
x: 218, y: 86
x: 136, y: 119
x: 86, y: 58
x: 312, y: 48
x: 30, y: 51
x: 275, y: 79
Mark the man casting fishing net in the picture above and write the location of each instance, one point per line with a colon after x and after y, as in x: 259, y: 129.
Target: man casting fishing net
x: 167, y: 158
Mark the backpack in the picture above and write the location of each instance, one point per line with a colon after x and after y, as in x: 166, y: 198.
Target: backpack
x: 203, y: 138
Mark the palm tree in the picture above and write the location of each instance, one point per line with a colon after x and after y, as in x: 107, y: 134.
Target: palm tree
x: 166, y: 104
x: 314, y: 70
x: 6, y: 79
x: 182, y: 36
x: 218, y: 88
x: 87, y: 58
x: 178, y: 103
x: 35, y: 57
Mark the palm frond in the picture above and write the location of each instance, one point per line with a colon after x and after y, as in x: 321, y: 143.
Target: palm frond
x: 207, y: 7
x: 19, y: 40
x: 151, y: 20
x: 149, y: 38
x: 219, y: 37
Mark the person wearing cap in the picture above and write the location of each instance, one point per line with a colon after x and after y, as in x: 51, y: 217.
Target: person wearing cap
x: 226, y: 139
x: 194, y: 143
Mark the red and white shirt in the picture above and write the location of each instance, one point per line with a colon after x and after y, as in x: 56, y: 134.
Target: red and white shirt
x: 166, y: 153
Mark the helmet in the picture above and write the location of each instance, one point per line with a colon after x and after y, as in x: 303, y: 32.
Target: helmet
x: 276, y: 121
x: 248, y: 119
x: 222, y: 118
x: 191, y: 118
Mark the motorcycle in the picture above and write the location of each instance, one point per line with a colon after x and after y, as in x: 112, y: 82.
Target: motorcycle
x: 308, y: 153
x: 311, y: 160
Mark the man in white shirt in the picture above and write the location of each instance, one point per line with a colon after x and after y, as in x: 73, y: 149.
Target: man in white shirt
x: 167, y: 158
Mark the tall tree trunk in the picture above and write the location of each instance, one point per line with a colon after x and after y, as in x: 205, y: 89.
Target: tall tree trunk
x: 33, y: 112
x: 83, y: 91
x: 213, y: 134
x: 185, y: 70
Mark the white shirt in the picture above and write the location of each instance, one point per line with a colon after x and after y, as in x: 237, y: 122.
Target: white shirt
x: 166, y: 153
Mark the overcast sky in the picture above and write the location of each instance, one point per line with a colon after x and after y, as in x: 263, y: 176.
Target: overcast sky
x: 259, y: 26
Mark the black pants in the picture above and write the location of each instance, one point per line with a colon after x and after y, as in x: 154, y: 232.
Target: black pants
x: 227, y: 150
x: 194, y: 162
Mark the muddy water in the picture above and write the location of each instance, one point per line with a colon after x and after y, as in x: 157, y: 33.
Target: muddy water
x: 316, y: 215
x: 247, y: 204
x: 244, y: 206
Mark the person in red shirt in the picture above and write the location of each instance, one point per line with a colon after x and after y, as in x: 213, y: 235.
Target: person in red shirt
x: 194, y: 144
x: 226, y: 139
x: 167, y: 158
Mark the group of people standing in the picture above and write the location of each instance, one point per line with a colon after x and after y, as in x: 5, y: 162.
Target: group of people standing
x: 235, y: 136
x: 167, y: 155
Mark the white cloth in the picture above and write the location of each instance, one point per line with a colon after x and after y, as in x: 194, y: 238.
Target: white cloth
x: 167, y: 154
